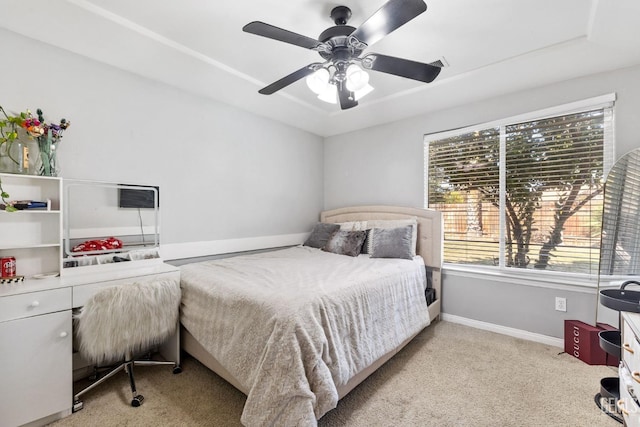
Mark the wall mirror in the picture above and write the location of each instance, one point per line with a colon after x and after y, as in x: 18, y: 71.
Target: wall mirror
x: 620, y: 241
x: 619, y: 267
x: 107, y: 223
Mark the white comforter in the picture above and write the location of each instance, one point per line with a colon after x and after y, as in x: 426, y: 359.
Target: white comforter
x: 292, y: 325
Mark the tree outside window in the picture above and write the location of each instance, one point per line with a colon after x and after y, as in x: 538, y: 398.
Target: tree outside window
x: 549, y: 191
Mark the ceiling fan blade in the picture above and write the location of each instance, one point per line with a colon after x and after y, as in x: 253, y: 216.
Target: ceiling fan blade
x: 392, y: 15
x: 271, y: 32
x: 287, y: 80
x: 401, y: 67
x: 346, y: 97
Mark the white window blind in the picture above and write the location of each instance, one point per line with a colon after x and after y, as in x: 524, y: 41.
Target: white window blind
x: 524, y: 194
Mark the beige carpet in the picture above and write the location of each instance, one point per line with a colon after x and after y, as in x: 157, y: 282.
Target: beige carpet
x: 450, y: 375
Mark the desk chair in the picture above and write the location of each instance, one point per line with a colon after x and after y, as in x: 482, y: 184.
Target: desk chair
x: 121, y: 321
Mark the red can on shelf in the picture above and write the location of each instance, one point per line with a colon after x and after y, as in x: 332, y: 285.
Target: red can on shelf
x: 8, y: 265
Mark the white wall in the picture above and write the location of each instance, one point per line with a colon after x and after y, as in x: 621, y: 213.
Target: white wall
x: 384, y: 165
x: 227, y: 174
x: 223, y: 173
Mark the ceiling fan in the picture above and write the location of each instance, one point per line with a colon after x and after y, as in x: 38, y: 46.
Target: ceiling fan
x: 341, y: 76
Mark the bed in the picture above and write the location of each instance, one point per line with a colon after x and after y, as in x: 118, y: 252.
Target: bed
x: 296, y: 329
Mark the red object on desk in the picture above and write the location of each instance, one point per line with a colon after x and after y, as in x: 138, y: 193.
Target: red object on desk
x: 98, y: 245
x: 581, y: 340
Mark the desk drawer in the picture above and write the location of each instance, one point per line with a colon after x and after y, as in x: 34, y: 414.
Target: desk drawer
x: 34, y: 304
x: 82, y: 293
x: 628, y: 403
x: 630, y: 349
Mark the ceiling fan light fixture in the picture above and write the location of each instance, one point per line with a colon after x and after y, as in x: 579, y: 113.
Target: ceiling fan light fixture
x: 329, y: 94
x: 357, y: 78
x: 318, y: 81
x: 341, y: 77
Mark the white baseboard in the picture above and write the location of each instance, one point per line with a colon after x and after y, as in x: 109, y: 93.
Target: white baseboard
x: 174, y: 251
x: 504, y: 330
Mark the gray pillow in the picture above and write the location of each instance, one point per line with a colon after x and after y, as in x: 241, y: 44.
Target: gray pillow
x: 346, y: 242
x: 391, y: 242
x: 320, y: 234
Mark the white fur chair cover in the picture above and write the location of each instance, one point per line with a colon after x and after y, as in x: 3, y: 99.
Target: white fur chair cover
x: 127, y: 318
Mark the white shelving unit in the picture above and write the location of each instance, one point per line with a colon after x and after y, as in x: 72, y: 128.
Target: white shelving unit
x: 36, y: 327
x: 33, y: 237
x: 34, y: 322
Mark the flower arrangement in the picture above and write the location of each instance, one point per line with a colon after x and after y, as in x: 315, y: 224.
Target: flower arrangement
x: 37, y: 127
x: 48, y: 135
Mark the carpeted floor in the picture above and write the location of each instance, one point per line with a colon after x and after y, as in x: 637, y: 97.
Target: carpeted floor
x: 450, y: 375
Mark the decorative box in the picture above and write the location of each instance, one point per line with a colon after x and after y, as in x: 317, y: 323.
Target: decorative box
x: 581, y: 340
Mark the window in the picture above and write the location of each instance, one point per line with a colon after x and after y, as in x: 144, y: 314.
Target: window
x: 523, y: 193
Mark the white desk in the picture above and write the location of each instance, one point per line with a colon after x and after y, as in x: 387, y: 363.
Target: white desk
x: 36, y: 334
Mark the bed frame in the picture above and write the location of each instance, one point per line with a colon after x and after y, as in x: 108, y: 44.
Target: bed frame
x: 429, y: 247
x: 430, y: 235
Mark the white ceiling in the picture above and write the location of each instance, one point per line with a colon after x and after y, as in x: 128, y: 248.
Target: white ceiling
x: 492, y: 47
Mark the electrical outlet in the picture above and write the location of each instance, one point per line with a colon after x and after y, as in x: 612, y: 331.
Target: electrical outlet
x: 561, y: 304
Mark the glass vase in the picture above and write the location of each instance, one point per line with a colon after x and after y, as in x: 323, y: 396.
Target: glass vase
x: 5, y: 161
x: 14, y: 157
x: 47, y: 162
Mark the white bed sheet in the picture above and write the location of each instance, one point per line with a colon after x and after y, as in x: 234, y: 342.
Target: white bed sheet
x: 292, y: 325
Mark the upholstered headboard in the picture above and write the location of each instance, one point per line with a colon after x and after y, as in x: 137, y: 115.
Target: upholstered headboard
x: 429, y: 244
x: 430, y: 236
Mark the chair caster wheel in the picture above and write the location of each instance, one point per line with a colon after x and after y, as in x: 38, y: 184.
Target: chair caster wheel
x: 77, y: 405
x: 137, y: 401
x: 177, y: 370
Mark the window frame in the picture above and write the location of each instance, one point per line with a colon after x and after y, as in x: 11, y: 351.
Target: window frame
x: 565, y: 278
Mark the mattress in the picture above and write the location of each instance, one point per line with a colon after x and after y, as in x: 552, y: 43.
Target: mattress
x: 294, y: 325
